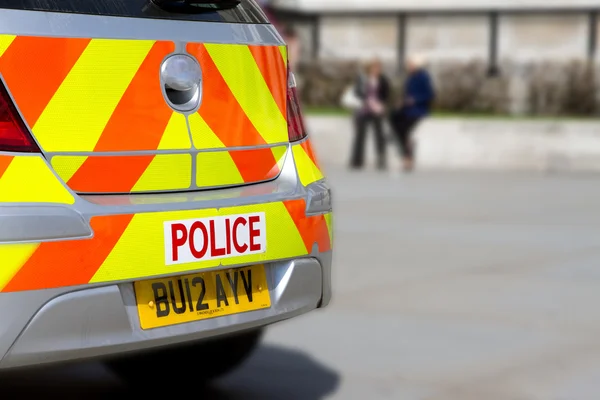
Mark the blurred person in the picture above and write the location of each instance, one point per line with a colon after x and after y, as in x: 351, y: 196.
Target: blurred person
x: 415, y: 105
x: 373, y: 88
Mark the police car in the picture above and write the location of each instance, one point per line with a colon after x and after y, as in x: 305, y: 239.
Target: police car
x: 160, y: 201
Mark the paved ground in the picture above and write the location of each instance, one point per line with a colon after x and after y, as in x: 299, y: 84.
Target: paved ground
x: 479, y: 144
x: 448, y: 287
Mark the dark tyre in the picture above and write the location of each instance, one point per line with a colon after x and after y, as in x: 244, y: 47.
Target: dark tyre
x: 202, y: 362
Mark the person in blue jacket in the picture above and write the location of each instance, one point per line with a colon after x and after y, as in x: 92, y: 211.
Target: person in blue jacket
x: 415, y: 105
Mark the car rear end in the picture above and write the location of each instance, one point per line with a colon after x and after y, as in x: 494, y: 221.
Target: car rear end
x: 157, y: 185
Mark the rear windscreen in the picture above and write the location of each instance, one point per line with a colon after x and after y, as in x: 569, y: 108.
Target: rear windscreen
x: 246, y: 11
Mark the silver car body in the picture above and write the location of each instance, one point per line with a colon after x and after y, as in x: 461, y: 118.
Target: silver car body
x: 101, y: 319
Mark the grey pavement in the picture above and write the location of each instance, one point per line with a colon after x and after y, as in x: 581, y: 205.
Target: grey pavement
x: 448, y: 286
x: 477, y: 144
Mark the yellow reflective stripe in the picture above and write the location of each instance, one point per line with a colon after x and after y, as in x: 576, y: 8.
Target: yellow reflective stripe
x: 125, y: 260
x: 284, y: 54
x: 146, y: 231
x: 14, y: 256
x: 29, y: 179
x: 307, y: 170
x: 329, y: 221
x: 176, y: 134
x: 166, y: 172
x: 247, y: 84
x: 202, y: 135
x: 80, y: 109
x: 280, y: 153
x: 283, y: 238
x: 217, y: 168
x: 66, y: 166
x: 5, y: 42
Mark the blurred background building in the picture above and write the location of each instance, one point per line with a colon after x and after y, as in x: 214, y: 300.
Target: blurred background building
x: 487, y: 56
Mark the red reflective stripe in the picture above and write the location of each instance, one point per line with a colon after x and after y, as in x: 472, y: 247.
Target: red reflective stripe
x: 35, y: 67
x: 4, y: 164
x: 312, y: 229
x: 220, y: 109
x: 273, y: 69
x: 255, y: 165
x: 307, y: 146
x: 70, y: 263
x: 142, y: 116
x: 105, y: 174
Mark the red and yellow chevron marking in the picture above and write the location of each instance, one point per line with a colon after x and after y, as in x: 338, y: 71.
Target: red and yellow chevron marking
x: 127, y: 247
x: 309, y: 171
x: 237, y: 167
x: 128, y: 174
x: 17, y: 173
x: 83, y: 96
x: 273, y: 69
x: 29, y: 179
x: 245, y: 103
x: 307, y: 165
x: 91, y: 95
x: 146, y: 173
x: 181, y: 197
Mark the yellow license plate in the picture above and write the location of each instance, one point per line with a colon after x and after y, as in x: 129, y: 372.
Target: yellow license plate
x: 170, y: 301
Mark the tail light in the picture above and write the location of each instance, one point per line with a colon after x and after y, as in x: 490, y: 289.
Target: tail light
x: 296, y: 127
x: 14, y: 135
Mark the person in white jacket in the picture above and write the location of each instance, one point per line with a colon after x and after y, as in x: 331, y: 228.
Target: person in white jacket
x: 374, y: 90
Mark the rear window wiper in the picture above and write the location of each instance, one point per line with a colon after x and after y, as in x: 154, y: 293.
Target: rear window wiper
x: 195, y: 6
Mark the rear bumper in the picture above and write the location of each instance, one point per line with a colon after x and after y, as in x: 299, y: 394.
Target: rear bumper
x: 102, y: 321
x: 66, y: 288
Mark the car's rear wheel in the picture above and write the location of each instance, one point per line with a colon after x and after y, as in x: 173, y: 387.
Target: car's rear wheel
x: 202, y: 361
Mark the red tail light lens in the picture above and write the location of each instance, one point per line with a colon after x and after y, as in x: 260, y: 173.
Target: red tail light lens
x: 296, y: 127
x: 14, y: 135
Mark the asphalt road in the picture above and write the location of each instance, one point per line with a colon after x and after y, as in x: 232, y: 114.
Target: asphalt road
x: 448, y: 286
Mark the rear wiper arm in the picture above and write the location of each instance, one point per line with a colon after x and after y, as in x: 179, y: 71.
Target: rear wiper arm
x: 195, y: 6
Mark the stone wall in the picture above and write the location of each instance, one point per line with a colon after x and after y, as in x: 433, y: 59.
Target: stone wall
x: 522, y: 37
x: 353, y: 38
x: 543, y: 37
x: 451, y: 37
